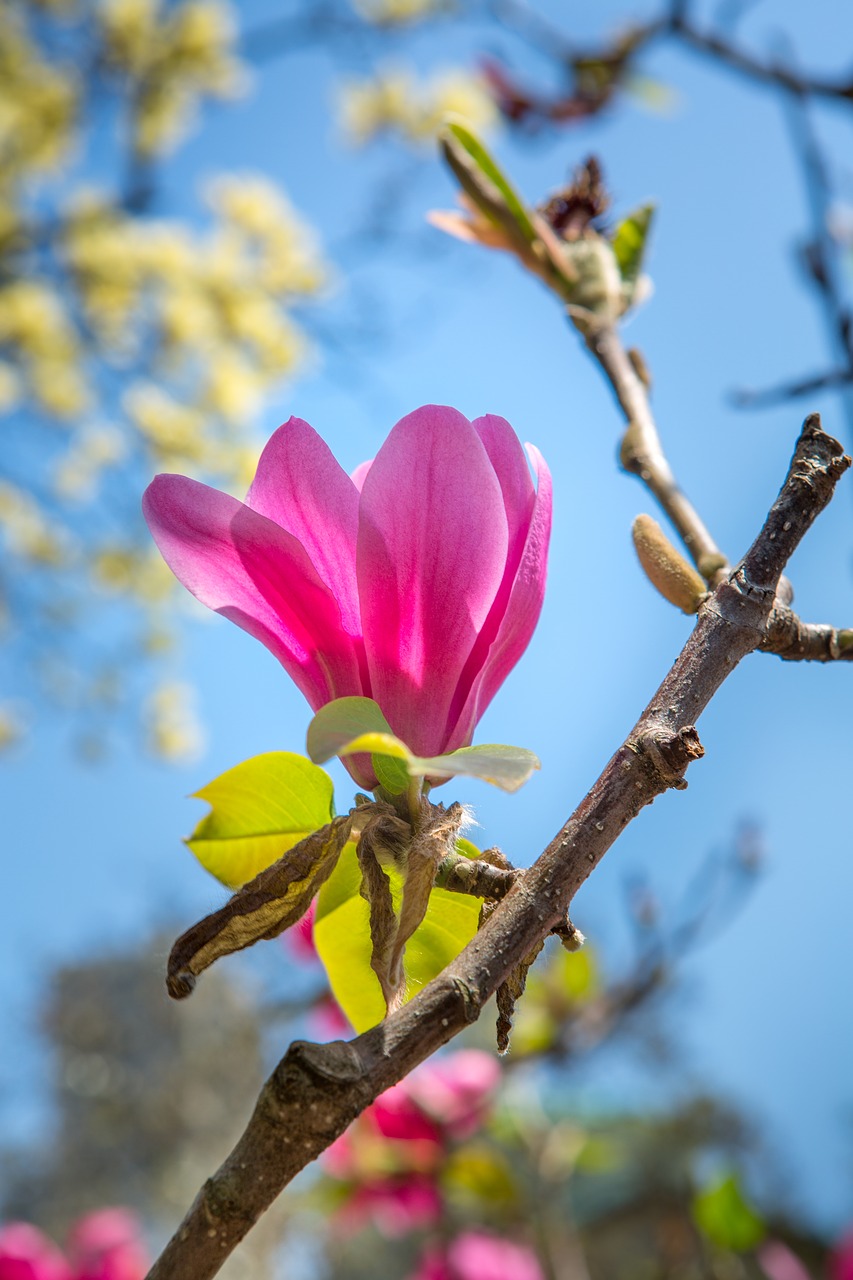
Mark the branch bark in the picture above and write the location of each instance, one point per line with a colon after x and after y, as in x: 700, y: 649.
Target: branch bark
x: 316, y: 1091
x: 642, y: 454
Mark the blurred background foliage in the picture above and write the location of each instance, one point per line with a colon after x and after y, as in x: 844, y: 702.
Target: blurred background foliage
x: 130, y: 341
x: 463, y: 1172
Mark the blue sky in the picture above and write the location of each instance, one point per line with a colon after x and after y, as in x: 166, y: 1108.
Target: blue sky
x: 95, y: 852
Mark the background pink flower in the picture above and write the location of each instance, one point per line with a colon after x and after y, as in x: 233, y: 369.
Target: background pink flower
x: 421, y: 589
x: 778, y: 1262
x: 106, y: 1245
x: 457, y: 1091
x: 393, y: 1153
x: 394, y: 1206
x: 841, y: 1263
x: 477, y: 1256
x: 27, y: 1254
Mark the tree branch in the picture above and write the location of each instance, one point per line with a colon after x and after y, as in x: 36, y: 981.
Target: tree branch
x: 316, y: 1091
x: 798, y: 641
x: 642, y: 454
x: 774, y: 73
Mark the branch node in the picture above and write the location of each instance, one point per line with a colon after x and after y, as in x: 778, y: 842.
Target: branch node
x: 337, y: 1061
x: 470, y: 999
x: 670, y: 754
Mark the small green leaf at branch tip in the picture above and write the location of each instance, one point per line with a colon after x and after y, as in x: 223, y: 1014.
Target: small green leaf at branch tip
x: 845, y: 640
x: 629, y: 242
x: 494, y: 762
x: 341, y: 721
x: 665, y: 567
x: 723, y: 1215
x: 455, y: 135
x: 331, y: 733
x: 259, y: 809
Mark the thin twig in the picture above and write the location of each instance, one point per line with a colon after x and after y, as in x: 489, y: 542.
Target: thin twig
x: 642, y: 454
x: 773, y: 73
x: 767, y: 397
x: 798, y: 641
x: 316, y: 1091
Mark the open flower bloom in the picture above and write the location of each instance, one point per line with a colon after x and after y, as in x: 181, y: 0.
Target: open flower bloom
x: 417, y: 583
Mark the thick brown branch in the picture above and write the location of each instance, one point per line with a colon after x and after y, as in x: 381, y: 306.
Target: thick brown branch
x: 316, y: 1091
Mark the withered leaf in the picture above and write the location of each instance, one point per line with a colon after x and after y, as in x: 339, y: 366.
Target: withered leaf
x: 266, y: 906
x: 376, y: 890
x: 430, y: 846
x: 509, y: 992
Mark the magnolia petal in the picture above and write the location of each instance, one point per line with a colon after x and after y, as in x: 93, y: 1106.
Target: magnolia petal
x: 247, y: 568
x: 359, y: 476
x: 432, y: 548
x: 520, y: 614
x: 302, y: 487
x: 507, y: 457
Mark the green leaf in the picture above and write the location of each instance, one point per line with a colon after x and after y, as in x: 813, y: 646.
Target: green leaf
x: 462, y: 135
x: 629, y: 242
x: 342, y: 938
x: 391, y: 773
x: 576, y: 974
x: 353, y: 726
x: 503, y: 766
x: 723, y: 1215
x: 338, y: 722
x: 259, y: 809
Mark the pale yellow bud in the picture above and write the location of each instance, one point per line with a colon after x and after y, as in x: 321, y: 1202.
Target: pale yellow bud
x: 665, y: 567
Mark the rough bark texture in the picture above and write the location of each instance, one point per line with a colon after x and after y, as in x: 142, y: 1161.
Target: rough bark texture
x: 316, y: 1091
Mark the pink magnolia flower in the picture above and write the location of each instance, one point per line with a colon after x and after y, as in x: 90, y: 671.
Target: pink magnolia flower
x: 393, y: 1153
x: 477, y: 1256
x: 778, y: 1262
x: 300, y: 939
x: 417, y: 583
x: 841, y: 1263
x: 27, y: 1254
x: 457, y: 1091
x: 395, y: 1206
x: 106, y: 1245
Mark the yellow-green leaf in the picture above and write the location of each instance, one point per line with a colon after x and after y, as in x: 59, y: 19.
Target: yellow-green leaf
x: 259, y: 809
x: 342, y: 938
x: 462, y: 136
x: 722, y: 1213
x: 629, y: 242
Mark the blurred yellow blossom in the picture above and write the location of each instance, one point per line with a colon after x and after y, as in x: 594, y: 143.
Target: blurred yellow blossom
x: 397, y: 12
x: 233, y: 387
x: 178, y: 54
x: 123, y: 570
x: 38, y: 102
x: 93, y: 449
x: 10, y: 387
x: 26, y: 529
x: 395, y: 101
x: 172, y: 729
x: 151, y: 340
x: 168, y: 427
x: 11, y: 726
